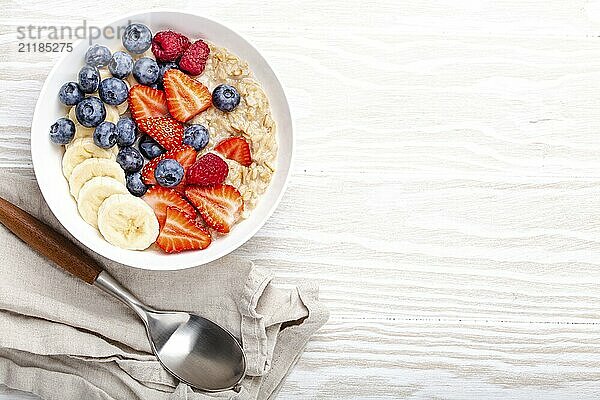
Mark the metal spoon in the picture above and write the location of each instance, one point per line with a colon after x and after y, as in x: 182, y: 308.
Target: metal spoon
x: 192, y: 348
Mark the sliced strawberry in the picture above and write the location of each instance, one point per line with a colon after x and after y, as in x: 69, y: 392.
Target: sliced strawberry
x: 159, y: 198
x: 185, y: 155
x: 235, y: 148
x: 182, y: 232
x: 220, y: 205
x: 210, y: 169
x: 165, y: 130
x: 186, y: 97
x: 146, y: 102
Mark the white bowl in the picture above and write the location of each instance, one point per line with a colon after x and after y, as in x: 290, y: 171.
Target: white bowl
x: 47, y: 156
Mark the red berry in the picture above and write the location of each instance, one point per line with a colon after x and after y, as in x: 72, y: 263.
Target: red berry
x: 194, y: 58
x: 220, y: 205
x: 169, y: 45
x: 165, y: 130
x: 159, y: 198
x: 186, y: 97
x: 182, y: 231
x: 147, y: 102
x: 210, y: 169
x: 235, y: 148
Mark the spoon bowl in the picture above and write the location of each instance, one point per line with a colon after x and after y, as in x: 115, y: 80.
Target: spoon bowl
x: 192, y: 348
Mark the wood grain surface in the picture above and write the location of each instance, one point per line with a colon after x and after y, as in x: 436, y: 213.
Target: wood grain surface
x: 445, y: 194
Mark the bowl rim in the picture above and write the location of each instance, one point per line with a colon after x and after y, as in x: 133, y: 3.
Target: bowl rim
x: 117, y: 255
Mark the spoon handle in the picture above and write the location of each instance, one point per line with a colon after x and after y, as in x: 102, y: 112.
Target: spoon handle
x: 49, y: 242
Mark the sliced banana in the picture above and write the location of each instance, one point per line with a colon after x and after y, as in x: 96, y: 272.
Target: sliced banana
x: 123, y: 107
x: 83, y: 132
x: 112, y: 114
x: 131, y: 81
x: 91, y: 168
x: 93, y: 193
x: 72, y: 115
x: 128, y: 222
x: 104, y: 73
x: 80, y: 150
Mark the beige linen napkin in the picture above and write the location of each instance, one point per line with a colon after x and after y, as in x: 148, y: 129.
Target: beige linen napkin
x: 63, y: 339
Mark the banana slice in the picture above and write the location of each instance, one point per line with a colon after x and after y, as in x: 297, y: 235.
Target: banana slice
x: 104, y: 73
x: 131, y: 81
x: 71, y: 115
x: 91, y: 168
x: 80, y: 150
x: 83, y: 132
x: 128, y: 222
x: 123, y: 107
x: 93, y: 193
x: 112, y: 114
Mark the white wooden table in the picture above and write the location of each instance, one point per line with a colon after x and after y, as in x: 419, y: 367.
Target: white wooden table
x: 446, y: 191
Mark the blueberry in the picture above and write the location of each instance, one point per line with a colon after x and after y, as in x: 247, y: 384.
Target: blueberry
x: 113, y: 91
x: 97, y: 56
x: 70, y: 93
x: 62, y: 131
x: 105, y: 135
x: 89, y: 78
x: 164, y: 67
x: 90, y: 112
x: 196, y: 136
x: 130, y: 159
x: 225, y: 97
x: 168, y: 173
x: 149, y: 148
x: 126, y: 132
x: 135, y: 185
x: 145, y: 71
x: 120, y: 64
x: 137, y: 38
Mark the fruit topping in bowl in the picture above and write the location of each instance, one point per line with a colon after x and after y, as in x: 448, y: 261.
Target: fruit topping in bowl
x: 168, y: 141
x: 182, y: 231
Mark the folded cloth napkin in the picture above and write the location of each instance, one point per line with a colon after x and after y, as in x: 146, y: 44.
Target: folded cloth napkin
x: 63, y: 339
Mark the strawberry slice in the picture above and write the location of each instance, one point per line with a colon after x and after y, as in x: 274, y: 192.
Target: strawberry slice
x: 186, y: 97
x: 210, y: 169
x: 165, y: 130
x: 220, y: 205
x: 146, y: 102
x: 182, y: 232
x: 159, y: 198
x: 235, y: 148
x: 185, y: 155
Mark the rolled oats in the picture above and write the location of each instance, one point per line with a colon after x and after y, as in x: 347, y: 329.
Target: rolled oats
x: 252, y: 120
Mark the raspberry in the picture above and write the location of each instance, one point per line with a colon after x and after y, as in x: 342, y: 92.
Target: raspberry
x: 169, y: 45
x: 209, y: 169
x: 194, y: 58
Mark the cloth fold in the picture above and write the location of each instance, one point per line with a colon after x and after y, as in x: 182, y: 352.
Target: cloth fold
x: 63, y: 339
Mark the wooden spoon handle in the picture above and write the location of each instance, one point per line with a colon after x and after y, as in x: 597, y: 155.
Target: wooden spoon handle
x: 49, y: 242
